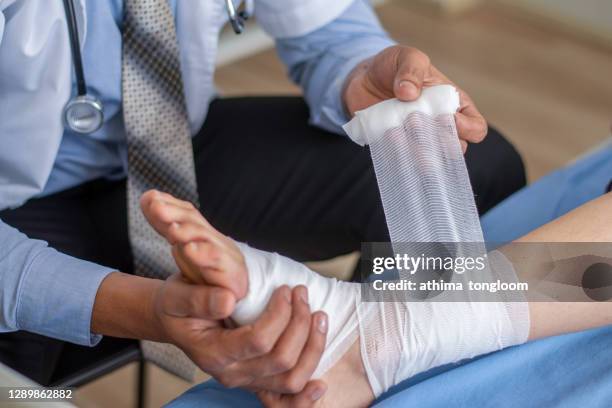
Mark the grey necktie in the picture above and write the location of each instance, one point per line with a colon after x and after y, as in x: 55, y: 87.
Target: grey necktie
x: 160, y: 153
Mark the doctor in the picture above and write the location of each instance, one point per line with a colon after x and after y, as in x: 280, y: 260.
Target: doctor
x: 101, y: 100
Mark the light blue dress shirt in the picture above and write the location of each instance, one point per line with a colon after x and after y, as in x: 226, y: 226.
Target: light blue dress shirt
x: 319, y: 62
x: 49, y: 293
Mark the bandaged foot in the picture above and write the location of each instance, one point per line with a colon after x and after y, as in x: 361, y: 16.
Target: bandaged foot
x: 396, y: 339
x: 427, y: 197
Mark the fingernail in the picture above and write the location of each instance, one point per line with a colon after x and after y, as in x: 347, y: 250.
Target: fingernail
x: 317, y: 393
x: 322, y: 323
x: 408, y: 86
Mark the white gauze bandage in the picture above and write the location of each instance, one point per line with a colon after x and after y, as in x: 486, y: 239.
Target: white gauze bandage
x: 268, y: 271
x: 427, y: 197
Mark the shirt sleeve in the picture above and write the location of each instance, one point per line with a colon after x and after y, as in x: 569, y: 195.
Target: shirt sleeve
x: 294, y: 18
x: 2, y: 23
x: 46, y: 292
x: 321, y: 60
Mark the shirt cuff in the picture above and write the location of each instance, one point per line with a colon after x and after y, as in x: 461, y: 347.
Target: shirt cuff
x: 286, y: 19
x: 57, y: 297
x: 333, y: 114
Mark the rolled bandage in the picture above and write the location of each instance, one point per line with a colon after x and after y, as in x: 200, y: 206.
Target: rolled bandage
x: 422, y: 178
x: 427, y: 197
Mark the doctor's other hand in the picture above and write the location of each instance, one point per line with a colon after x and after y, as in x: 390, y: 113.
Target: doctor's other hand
x: 280, y: 351
x: 402, y: 72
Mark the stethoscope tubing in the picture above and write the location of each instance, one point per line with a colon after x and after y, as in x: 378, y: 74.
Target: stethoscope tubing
x: 76, y: 47
x: 73, y: 111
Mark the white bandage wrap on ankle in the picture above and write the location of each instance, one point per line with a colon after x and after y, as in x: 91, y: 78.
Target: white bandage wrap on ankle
x: 427, y: 197
x: 398, y: 339
x: 402, y: 339
x: 268, y: 271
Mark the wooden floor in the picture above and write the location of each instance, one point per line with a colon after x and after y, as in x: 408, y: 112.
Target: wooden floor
x: 548, y: 92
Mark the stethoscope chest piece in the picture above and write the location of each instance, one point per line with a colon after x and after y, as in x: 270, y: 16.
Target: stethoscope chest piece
x: 83, y: 114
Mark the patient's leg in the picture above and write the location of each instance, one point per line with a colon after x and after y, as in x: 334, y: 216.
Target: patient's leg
x: 591, y: 222
x: 380, y: 344
x: 345, y: 367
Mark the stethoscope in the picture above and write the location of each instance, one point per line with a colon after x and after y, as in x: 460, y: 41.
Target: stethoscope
x: 84, y: 113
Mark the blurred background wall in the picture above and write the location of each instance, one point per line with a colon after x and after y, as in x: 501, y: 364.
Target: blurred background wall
x: 539, y: 70
x: 589, y: 18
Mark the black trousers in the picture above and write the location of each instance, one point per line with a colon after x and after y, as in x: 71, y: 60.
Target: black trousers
x: 264, y: 177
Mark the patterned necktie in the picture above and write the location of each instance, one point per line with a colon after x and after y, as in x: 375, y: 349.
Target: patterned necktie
x: 160, y: 153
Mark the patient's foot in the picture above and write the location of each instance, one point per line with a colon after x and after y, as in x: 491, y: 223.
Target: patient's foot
x: 347, y: 383
x: 347, y: 386
x: 217, y: 261
x: 205, y: 255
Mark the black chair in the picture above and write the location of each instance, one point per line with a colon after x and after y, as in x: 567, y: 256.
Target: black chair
x: 80, y: 365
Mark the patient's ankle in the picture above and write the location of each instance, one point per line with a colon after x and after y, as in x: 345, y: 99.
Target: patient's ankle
x: 347, y: 382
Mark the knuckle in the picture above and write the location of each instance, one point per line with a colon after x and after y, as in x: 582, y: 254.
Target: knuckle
x: 416, y: 53
x: 218, y: 361
x: 405, y: 50
x: 293, y: 384
x: 480, y: 135
x: 207, y: 363
x: 425, y: 58
x: 259, y: 344
x: 227, y: 380
x: 283, y: 361
x: 232, y: 378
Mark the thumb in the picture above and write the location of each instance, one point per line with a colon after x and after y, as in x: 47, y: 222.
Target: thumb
x: 182, y: 299
x: 413, y: 67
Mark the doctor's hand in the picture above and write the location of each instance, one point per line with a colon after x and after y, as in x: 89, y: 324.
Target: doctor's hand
x: 402, y: 72
x: 279, y: 352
